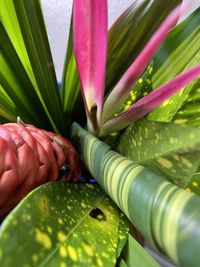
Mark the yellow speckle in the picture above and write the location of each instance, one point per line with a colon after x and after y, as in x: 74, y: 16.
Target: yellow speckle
x: 114, y: 134
x: 90, y: 186
x: 165, y: 103
x: 181, y: 121
x: 133, y: 97
x: 43, y: 239
x: 148, y: 81
x: 99, y: 262
x: 187, y: 189
x: 83, y: 205
x: 35, y: 257
x: 140, y: 81
x: 60, y: 221
x: 150, y: 70
x: 61, y: 236
x: 49, y: 229
x: 88, y: 250
x: 165, y: 163
x: 72, y: 253
x: 63, y: 251
x: 63, y: 264
x: 195, y: 184
x: 186, y: 162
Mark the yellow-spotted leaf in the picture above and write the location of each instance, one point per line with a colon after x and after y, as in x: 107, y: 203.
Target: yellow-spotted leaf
x: 170, y: 150
x: 61, y: 225
x: 166, y: 215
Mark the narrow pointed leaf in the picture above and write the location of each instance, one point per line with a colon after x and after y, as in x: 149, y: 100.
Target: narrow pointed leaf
x: 179, y: 51
x: 189, y: 113
x: 136, y: 25
x: 16, y: 85
x: 70, y: 86
x: 32, y: 26
x: 156, y: 207
x: 53, y: 234
x: 170, y: 150
x: 121, y: 91
x: 149, y: 102
x: 90, y: 45
x: 134, y: 255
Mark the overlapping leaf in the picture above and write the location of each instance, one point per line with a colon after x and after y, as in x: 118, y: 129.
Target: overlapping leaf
x: 62, y: 225
x: 171, y: 150
x: 156, y: 207
x: 180, y: 51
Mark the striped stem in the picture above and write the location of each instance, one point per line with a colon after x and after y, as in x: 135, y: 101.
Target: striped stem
x: 167, y: 216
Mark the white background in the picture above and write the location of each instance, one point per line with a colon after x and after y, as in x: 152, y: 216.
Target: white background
x: 57, y: 15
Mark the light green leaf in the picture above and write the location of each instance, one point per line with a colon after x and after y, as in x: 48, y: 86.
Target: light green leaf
x: 30, y: 18
x: 61, y: 225
x: 18, y: 96
x: 170, y: 150
x: 166, y: 215
x: 180, y: 51
x: 134, y: 255
x: 130, y: 33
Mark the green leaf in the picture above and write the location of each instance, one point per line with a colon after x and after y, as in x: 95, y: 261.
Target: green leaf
x: 11, y: 24
x: 170, y: 150
x: 189, y: 113
x: 180, y: 51
x: 70, y: 88
x: 130, y: 33
x: 166, y: 215
x: 32, y: 26
x: 134, y: 255
x: 61, y: 225
x: 18, y: 96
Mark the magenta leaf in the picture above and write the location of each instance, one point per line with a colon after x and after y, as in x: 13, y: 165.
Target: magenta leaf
x: 121, y: 91
x: 149, y: 102
x: 90, y: 47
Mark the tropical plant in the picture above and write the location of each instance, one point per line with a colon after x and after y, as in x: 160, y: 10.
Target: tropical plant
x: 60, y: 224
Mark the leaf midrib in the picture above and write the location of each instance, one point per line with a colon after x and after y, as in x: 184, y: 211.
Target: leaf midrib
x: 45, y: 261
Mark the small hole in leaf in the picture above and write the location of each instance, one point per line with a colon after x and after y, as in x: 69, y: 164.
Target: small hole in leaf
x: 98, y: 214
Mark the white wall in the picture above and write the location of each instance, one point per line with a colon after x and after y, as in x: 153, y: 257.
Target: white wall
x: 57, y: 14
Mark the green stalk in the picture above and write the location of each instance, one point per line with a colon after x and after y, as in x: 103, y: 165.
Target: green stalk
x: 167, y: 216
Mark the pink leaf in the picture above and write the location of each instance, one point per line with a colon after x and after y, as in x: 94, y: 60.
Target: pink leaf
x: 90, y: 46
x: 151, y: 101
x: 124, y: 86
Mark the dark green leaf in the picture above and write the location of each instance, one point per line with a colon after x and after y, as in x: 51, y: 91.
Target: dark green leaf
x: 130, y: 33
x: 61, y: 225
x: 135, y: 255
x: 180, y: 51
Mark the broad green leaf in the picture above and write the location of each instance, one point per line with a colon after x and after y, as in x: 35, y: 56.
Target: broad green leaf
x: 180, y: 51
x: 134, y: 255
x: 130, y: 33
x: 170, y: 150
x: 122, y: 232
x: 189, y: 113
x: 166, y: 215
x: 61, y: 225
x: 17, y: 93
x: 30, y: 17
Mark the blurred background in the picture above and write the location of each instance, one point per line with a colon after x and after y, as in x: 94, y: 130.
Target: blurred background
x: 57, y: 16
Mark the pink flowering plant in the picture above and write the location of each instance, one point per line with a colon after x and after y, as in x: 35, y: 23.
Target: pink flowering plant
x: 134, y: 89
